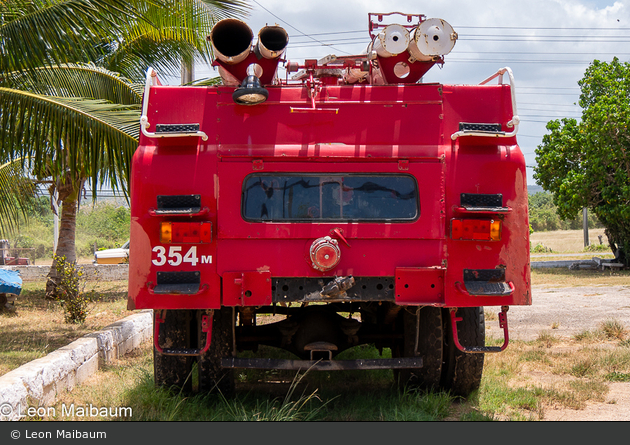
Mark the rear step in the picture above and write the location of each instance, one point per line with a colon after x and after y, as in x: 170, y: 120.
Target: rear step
x: 177, y: 283
x: 486, y: 282
x: 503, y: 324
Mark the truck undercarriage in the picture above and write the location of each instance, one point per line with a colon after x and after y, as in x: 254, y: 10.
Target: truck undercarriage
x: 420, y: 339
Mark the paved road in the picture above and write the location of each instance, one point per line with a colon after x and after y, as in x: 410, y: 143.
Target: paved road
x: 572, y: 309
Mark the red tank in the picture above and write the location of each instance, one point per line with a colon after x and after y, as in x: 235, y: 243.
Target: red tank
x: 351, y: 187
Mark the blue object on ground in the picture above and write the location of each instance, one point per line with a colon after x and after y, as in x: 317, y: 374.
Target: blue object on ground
x: 10, y: 282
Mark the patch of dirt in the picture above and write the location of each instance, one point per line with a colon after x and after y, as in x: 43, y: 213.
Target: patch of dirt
x: 616, y: 407
x: 563, y: 313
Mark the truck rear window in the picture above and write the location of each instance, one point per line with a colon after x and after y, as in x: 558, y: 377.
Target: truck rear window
x: 331, y: 197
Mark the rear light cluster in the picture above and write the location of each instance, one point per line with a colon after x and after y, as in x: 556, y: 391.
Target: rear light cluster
x: 476, y: 229
x: 186, y: 232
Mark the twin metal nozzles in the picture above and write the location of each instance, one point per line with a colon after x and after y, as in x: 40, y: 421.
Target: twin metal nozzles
x: 246, y: 65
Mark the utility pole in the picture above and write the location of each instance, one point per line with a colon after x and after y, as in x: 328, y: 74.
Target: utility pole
x: 585, y: 225
x: 188, y: 72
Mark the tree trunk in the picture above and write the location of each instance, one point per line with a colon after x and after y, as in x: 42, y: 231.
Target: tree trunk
x: 68, y: 194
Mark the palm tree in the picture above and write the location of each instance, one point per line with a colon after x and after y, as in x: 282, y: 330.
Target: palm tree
x: 64, y: 110
x: 17, y: 194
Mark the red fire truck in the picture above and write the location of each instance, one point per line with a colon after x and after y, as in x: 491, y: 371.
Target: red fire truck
x: 350, y: 199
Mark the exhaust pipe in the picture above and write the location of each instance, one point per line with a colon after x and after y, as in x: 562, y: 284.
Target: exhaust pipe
x: 231, y: 40
x: 272, y: 41
x: 238, y: 60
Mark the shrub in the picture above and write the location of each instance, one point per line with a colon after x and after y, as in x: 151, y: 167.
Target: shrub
x: 597, y: 248
x: 541, y: 248
x: 70, y: 290
x: 613, y: 329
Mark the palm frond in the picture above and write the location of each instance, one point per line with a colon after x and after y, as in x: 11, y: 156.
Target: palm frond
x: 93, y: 139
x: 78, y: 80
x: 51, y: 32
x: 173, y: 37
x: 221, y: 9
x: 17, y: 193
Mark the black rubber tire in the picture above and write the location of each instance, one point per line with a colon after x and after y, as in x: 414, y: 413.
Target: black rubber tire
x: 212, y: 377
x: 168, y: 370
x: 422, y: 326
x: 463, y: 371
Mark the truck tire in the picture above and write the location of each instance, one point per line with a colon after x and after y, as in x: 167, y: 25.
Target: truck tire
x: 463, y: 371
x: 213, y: 377
x: 422, y: 326
x: 169, y: 370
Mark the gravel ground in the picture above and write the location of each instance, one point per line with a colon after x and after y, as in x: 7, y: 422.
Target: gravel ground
x: 572, y: 310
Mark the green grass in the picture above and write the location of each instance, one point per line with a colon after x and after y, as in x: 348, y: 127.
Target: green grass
x: 308, y: 397
x: 37, y: 326
x: 506, y: 393
x: 618, y: 377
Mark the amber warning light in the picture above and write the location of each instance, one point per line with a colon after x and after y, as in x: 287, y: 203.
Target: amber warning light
x: 186, y: 232
x: 476, y: 229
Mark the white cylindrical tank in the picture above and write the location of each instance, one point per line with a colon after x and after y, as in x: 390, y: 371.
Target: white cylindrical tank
x: 431, y: 39
x: 391, y: 41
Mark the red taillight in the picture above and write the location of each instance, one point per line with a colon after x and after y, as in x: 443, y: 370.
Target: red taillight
x: 325, y: 254
x: 476, y: 229
x: 186, y: 232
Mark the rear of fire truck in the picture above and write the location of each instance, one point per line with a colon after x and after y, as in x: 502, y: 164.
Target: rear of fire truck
x: 351, y: 200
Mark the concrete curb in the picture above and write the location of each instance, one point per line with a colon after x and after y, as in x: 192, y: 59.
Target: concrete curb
x: 551, y: 264
x: 102, y: 272
x: 38, y: 382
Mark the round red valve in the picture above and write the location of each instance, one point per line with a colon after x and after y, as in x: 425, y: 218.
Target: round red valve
x: 325, y: 254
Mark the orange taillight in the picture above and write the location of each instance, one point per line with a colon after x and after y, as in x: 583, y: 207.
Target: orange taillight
x: 186, y: 232
x: 476, y: 229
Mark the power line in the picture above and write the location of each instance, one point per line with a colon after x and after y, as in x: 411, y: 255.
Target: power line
x: 555, y: 88
x: 541, y: 27
x: 465, y: 27
x: 288, y: 24
x: 595, y: 53
x: 565, y: 62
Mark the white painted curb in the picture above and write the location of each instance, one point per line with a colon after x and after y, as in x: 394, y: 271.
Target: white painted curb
x: 37, y: 383
x: 93, y: 272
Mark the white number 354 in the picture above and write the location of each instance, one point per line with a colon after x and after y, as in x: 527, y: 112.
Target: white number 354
x: 175, y: 257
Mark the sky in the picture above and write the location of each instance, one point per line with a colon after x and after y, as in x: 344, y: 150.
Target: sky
x: 548, y: 44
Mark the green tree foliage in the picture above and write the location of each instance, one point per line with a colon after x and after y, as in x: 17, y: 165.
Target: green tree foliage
x: 587, y: 163
x: 543, y: 215
x: 101, y: 225
x: 63, y: 108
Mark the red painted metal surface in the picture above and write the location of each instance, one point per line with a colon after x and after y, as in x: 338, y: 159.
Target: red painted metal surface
x: 420, y: 285
x: 247, y: 288
x: 380, y: 129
